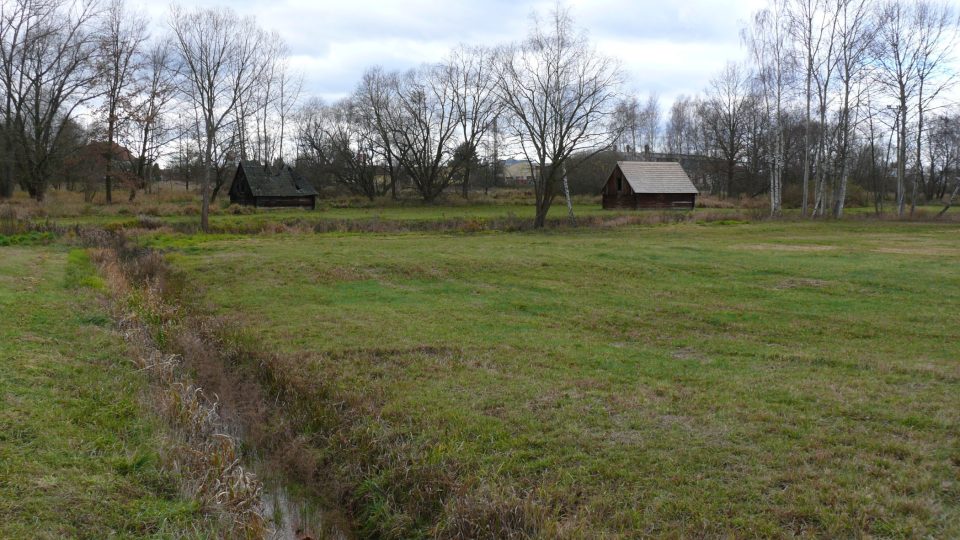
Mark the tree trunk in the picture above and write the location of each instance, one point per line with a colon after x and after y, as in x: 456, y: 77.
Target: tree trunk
x: 902, y: 156
x: 108, y: 176
x: 6, y: 179
x: 566, y: 192
x: 466, y: 182
x: 807, y: 136
x: 205, y: 186
x: 949, y: 202
x: 918, y: 177
x: 541, y: 191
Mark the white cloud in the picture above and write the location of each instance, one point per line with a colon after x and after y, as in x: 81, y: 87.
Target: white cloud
x: 668, y: 48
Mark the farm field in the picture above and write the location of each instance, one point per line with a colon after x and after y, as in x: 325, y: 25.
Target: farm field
x: 768, y: 379
x: 78, y: 456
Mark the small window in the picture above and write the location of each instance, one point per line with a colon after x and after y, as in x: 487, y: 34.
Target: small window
x: 619, y: 184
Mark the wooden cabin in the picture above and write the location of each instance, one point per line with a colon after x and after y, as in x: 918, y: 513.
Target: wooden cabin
x: 644, y: 184
x: 256, y: 185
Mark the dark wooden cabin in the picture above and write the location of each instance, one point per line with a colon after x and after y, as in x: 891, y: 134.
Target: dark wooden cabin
x: 256, y: 185
x: 644, y: 184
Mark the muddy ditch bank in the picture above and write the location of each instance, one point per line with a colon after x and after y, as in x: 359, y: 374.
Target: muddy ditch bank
x: 230, y: 445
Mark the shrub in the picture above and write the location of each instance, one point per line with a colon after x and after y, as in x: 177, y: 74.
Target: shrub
x: 237, y: 209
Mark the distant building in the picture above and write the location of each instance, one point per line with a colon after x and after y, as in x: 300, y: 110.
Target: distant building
x: 518, y: 172
x: 255, y: 185
x: 643, y: 184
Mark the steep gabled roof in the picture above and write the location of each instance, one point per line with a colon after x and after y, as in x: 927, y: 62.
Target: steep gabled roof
x: 656, y: 177
x: 286, y: 183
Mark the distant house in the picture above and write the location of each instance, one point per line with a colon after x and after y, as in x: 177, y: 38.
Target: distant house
x: 518, y: 172
x: 643, y: 184
x: 255, y: 185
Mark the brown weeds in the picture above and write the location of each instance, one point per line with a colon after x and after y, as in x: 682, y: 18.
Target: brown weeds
x: 200, y: 452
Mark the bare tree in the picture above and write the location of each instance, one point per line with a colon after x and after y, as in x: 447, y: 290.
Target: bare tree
x: 474, y: 100
x: 374, y: 98
x: 809, y: 28
x: 559, y: 95
x: 649, y: 121
x: 626, y: 121
x: 46, y: 52
x: 768, y: 40
x: 680, y: 129
x: 855, y: 31
x: 157, y: 89
x: 823, y: 79
x: 289, y: 86
x: 219, y: 53
x: 724, y: 116
x: 339, y: 140
x: 423, y: 128
x: 936, y: 26
x: 122, y: 36
x: 899, y: 58
x: 270, y: 94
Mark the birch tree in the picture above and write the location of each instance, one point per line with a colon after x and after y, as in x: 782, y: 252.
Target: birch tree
x: 898, y: 60
x: 768, y: 40
x: 936, y: 27
x: 855, y: 30
x: 808, y: 27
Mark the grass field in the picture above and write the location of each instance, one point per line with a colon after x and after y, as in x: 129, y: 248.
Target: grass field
x: 78, y: 456
x: 687, y: 380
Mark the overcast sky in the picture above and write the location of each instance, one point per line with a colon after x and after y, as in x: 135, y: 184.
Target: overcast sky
x: 668, y: 47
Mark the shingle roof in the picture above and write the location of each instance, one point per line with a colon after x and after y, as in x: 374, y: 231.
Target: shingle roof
x: 286, y: 183
x: 656, y: 177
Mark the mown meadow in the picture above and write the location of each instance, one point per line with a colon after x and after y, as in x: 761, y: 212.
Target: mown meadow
x: 79, y: 455
x: 767, y: 379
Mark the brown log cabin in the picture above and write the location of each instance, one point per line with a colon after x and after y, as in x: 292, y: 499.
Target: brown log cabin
x: 649, y: 185
x: 255, y: 185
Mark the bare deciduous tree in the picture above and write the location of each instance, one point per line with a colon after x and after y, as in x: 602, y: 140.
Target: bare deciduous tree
x: 681, y: 128
x: 769, y: 44
x: 374, y: 98
x: 650, y: 119
x: 219, y: 52
x: 122, y: 36
x: 855, y: 30
x: 474, y: 100
x: 936, y: 25
x: 157, y: 89
x: 724, y: 116
x: 344, y: 145
x: 423, y: 128
x: 626, y: 121
x: 808, y: 27
x: 559, y: 95
x: 46, y: 52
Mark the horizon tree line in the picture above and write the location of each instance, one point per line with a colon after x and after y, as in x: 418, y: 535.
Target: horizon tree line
x: 831, y: 94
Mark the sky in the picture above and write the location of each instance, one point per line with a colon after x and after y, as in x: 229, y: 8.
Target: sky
x: 667, y: 47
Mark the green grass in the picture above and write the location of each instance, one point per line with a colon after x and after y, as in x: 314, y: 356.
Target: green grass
x: 412, y: 212
x: 745, y: 380
x: 78, y: 455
